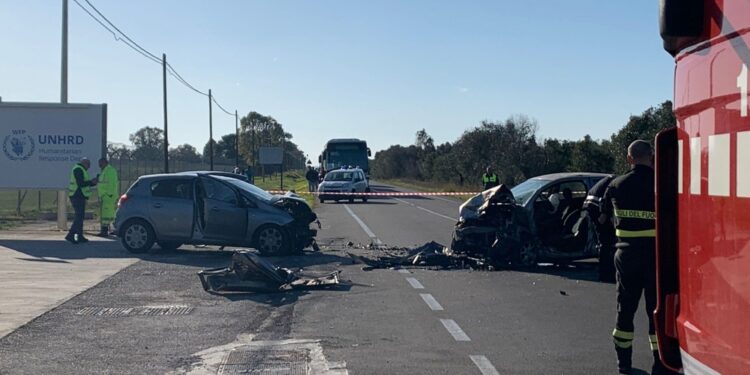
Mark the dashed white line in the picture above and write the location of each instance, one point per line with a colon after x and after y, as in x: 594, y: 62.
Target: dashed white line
x: 403, y: 270
x: 484, y: 365
x: 364, y: 226
x: 425, y: 210
x: 431, y: 302
x: 455, y: 331
x: 414, y: 283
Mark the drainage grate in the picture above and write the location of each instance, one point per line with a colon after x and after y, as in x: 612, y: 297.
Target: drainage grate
x: 266, y: 362
x: 135, y: 311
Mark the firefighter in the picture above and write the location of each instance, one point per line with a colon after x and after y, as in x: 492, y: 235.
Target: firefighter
x: 605, y: 233
x: 489, y: 179
x: 79, y: 191
x: 629, y: 202
x: 108, y: 187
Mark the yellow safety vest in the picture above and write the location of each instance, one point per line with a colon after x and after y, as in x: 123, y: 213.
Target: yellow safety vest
x: 73, y: 185
x: 108, y: 183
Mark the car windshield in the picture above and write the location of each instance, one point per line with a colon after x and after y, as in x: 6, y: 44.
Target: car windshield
x: 525, y: 190
x: 339, y: 176
x: 256, y: 192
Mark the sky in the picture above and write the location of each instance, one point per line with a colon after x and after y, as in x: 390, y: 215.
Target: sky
x: 375, y: 70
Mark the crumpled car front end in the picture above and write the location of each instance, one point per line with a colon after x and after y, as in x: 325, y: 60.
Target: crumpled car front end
x: 489, y: 225
x: 303, y: 216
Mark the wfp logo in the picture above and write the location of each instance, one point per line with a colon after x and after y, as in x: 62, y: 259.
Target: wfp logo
x: 18, y: 145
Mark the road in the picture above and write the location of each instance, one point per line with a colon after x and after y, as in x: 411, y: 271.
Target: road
x: 416, y: 321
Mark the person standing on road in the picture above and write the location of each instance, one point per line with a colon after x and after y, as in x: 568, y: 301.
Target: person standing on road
x: 312, y: 179
x: 79, y: 190
x: 489, y: 179
x: 629, y: 201
x: 605, y: 232
x: 249, y: 174
x: 108, y: 188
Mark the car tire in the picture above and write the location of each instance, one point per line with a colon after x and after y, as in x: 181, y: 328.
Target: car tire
x: 137, y: 236
x: 526, y: 255
x: 271, y: 240
x: 169, y: 245
x: 322, y: 200
x: 364, y: 197
x: 351, y: 197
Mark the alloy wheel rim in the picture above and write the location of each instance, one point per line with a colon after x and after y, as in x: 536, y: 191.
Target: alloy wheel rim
x: 270, y: 239
x: 136, y: 236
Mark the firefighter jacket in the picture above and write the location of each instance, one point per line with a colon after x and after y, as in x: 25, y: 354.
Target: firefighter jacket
x: 630, y: 200
x: 108, y: 185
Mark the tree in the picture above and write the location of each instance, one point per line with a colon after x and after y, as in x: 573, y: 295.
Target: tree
x: 185, y: 153
x: 118, y: 151
x: 149, y: 143
x: 590, y: 156
x: 644, y: 126
x: 224, y: 149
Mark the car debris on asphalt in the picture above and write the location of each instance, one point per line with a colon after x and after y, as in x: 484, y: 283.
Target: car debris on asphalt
x: 252, y: 273
x: 430, y: 255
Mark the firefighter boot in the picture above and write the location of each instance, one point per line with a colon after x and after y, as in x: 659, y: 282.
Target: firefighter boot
x: 624, y: 360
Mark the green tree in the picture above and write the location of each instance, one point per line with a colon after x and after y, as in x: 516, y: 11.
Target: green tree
x: 149, y: 143
x: 644, y: 126
x: 185, y: 153
x: 590, y: 156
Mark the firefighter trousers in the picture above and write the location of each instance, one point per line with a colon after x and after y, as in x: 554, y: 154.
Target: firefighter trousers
x: 636, y: 275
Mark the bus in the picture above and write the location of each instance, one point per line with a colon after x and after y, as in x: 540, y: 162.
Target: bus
x: 703, y: 191
x: 345, y: 152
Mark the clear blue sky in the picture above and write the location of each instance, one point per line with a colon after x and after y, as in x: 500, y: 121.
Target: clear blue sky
x: 377, y: 70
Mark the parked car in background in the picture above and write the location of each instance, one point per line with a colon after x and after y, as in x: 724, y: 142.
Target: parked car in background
x: 538, y: 220
x: 352, y: 180
x: 211, y: 209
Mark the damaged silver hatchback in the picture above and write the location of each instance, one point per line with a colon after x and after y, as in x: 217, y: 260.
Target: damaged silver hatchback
x: 539, y: 220
x: 209, y: 209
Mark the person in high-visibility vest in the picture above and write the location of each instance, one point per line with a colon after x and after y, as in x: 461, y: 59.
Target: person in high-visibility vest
x: 489, y: 179
x: 109, y: 191
x: 630, y: 201
x: 79, y: 191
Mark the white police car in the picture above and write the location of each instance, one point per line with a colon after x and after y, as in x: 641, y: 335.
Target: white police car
x: 347, y: 181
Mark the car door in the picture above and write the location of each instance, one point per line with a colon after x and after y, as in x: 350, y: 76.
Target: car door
x: 359, y: 182
x: 225, y: 217
x: 171, y: 208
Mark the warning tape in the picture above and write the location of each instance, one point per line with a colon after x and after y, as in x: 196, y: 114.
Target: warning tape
x: 379, y: 194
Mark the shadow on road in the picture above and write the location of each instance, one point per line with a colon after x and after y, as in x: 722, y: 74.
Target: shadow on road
x: 584, y: 271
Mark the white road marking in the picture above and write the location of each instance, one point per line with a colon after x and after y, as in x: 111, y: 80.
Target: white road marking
x: 414, y: 283
x: 718, y: 165
x: 431, y: 301
x: 426, y: 210
x: 455, y: 331
x: 364, y: 226
x: 403, y: 270
x: 484, y: 365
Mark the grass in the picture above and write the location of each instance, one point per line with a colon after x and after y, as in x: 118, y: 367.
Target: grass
x: 293, y: 180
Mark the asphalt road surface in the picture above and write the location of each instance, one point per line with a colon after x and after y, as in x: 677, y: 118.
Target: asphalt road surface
x: 153, y: 317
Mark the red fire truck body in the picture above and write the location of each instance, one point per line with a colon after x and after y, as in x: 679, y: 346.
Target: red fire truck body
x: 703, y: 190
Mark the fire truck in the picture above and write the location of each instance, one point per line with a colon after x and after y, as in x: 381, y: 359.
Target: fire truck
x: 703, y: 190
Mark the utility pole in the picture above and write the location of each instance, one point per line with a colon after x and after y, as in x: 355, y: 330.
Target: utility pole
x: 282, y: 162
x: 237, y: 139
x: 210, y: 130
x: 166, y: 134
x: 62, y: 216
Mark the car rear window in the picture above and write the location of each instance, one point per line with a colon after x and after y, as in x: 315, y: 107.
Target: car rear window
x: 181, y: 189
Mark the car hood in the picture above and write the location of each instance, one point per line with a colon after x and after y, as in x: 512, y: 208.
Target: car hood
x: 295, y: 206
x: 474, y: 206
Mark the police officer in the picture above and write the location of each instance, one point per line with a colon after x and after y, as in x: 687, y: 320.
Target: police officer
x: 108, y: 188
x: 605, y: 232
x: 79, y: 190
x: 629, y: 201
x: 489, y: 179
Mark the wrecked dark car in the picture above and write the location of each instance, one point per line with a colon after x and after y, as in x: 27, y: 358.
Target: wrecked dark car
x: 540, y: 220
x: 209, y: 209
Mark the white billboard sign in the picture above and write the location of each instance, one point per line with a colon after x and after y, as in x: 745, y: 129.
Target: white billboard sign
x: 40, y: 142
x: 270, y: 155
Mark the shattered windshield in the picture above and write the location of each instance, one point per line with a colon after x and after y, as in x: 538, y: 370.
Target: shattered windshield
x: 339, y: 176
x: 525, y: 190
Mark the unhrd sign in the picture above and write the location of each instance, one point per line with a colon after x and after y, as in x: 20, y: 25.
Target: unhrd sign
x: 42, y: 141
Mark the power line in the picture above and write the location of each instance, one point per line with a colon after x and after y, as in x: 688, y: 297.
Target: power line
x: 144, y: 52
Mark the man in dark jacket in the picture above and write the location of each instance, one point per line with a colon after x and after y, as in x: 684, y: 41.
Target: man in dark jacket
x: 312, y: 179
x: 79, y: 191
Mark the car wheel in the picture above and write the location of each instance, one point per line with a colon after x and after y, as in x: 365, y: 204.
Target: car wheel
x: 168, y: 245
x: 526, y: 255
x: 364, y: 197
x: 137, y: 236
x: 322, y: 200
x: 351, y: 197
x: 271, y: 240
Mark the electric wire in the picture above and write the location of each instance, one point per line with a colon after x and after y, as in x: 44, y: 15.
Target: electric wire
x: 144, y: 52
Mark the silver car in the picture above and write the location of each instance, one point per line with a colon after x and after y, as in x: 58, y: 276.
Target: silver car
x: 339, y: 181
x: 204, y: 208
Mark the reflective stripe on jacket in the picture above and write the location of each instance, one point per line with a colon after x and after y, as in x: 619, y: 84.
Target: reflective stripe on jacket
x: 73, y: 185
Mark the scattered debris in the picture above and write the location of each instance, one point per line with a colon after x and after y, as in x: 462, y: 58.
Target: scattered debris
x: 564, y: 293
x: 430, y: 255
x: 249, y: 272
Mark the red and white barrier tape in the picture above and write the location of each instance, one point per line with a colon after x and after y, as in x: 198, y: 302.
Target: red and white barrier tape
x: 380, y: 194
